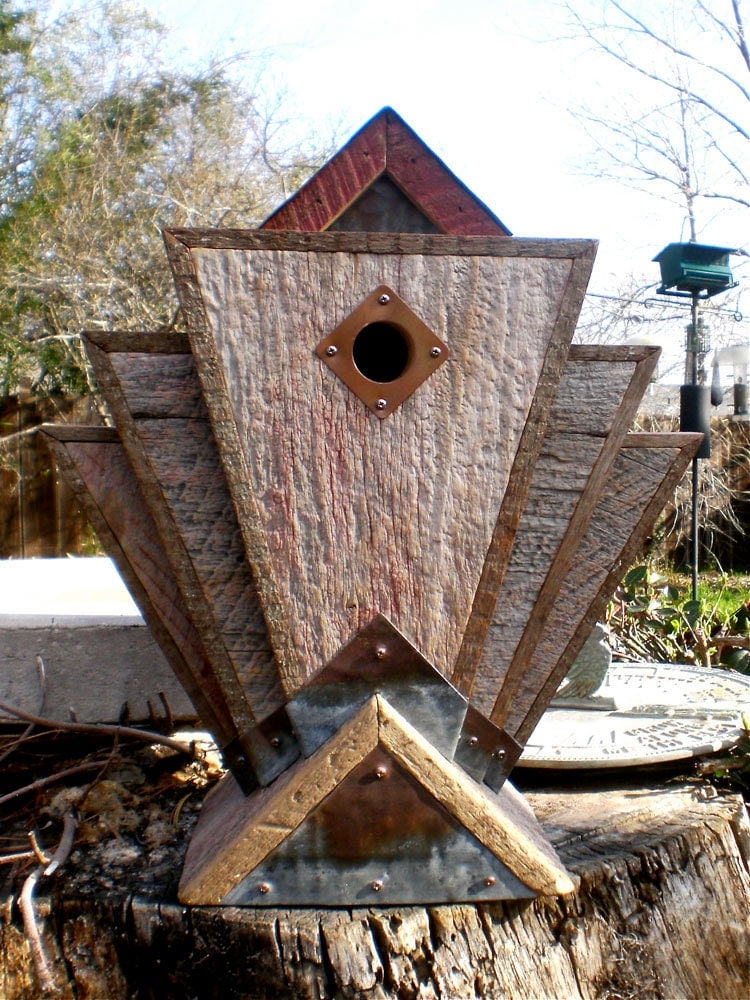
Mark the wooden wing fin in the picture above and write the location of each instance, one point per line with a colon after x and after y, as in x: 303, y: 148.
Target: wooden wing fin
x: 647, y: 470
x: 153, y: 391
x: 595, y: 406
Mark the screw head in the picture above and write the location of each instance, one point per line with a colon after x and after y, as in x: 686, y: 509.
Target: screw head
x: 472, y: 741
x: 384, y: 299
x: 381, y: 772
x: 435, y: 352
x: 381, y: 404
x: 264, y: 888
x: 275, y: 742
x: 381, y: 652
x: 332, y: 350
x: 376, y: 886
x: 489, y: 881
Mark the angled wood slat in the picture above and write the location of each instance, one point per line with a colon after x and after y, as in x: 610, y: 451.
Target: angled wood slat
x: 311, y: 473
x: 595, y: 406
x: 172, y: 453
x: 385, y: 148
x: 97, y: 468
x: 645, y: 475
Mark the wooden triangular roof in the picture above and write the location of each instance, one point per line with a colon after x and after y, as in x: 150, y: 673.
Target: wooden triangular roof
x: 386, y: 151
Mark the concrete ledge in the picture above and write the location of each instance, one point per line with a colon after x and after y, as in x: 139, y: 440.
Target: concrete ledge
x: 98, y: 653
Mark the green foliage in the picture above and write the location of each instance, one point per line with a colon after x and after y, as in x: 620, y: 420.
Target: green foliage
x: 652, y: 617
x: 103, y: 144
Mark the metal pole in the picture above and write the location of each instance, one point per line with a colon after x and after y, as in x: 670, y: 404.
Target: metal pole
x: 694, y: 512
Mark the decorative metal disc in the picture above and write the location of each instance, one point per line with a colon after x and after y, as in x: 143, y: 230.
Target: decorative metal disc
x: 382, y: 351
x: 663, y: 712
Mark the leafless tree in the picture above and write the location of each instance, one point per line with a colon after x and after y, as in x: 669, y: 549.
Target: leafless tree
x: 680, y: 127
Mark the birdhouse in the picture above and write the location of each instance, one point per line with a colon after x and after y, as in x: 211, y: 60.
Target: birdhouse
x: 372, y: 503
x: 689, y: 269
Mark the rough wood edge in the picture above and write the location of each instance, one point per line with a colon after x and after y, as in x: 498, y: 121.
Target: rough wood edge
x: 685, y: 444
x: 216, y: 394
x: 153, y: 619
x: 338, y: 183
x: 235, y: 834
x: 496, y: 821
x: 381, y: 243
x: 179, y: 559
x: 94, y: 434
x: 576, y: 528
x: 427, y: 182
x: 138, y: 342
x: 519, y: 482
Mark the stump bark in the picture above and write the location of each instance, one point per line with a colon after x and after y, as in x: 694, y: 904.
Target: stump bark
x: 661, y: 912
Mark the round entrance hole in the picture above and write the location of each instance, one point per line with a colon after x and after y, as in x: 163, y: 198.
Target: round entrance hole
x: 381, y: 352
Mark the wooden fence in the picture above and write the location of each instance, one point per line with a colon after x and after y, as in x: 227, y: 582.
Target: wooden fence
x: 39, y: 516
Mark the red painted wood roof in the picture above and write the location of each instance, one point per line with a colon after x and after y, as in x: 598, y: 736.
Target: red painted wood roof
x: 386, y: 145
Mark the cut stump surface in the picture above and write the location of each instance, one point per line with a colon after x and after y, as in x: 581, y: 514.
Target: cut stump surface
x: 661, y: 912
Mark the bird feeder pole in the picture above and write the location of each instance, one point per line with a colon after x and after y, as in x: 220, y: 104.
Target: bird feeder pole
x: 695, y: 271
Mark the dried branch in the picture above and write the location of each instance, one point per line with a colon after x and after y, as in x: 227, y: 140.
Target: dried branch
x: 100, y: 729
x: 26, y: 903
x: 51, y: 779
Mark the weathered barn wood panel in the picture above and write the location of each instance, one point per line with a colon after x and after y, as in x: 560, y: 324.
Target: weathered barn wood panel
x: 325, y: 477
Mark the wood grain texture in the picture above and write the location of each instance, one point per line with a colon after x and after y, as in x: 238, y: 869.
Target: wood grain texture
x: 644, y: 476
x: 386, y: 146
x: 233, y: 462
x: 514, y: 501
x: 368, y: 243
x: 594, y: 408
x: 158, y: 402
x: 96, y: 466
x: 663, y: 871
x: 337, y: 184
x: 194, y: 535
x: 315, y: 459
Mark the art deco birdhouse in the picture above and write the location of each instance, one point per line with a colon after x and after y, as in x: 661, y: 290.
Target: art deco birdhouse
x: 372, y: 505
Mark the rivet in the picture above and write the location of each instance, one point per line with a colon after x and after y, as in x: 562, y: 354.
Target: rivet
x: 381, y: 772
x: 472, y: 741
x: 381, y: 652
x: 489, y: 881
x: 275, y: 742
x: 500, y: 753
x: 384, y: 299
x: 376, y: 886
x: 435, y: 352
x: 264, y: 888
x: 330, y: 351
x: 381, y: 404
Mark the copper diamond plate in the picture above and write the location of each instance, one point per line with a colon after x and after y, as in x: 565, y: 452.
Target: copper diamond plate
x: 425, y: 352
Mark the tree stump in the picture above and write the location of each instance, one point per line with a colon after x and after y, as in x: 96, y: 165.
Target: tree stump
x: 661, y: 912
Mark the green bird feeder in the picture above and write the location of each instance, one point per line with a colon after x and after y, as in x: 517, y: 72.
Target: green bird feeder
x: 694, y: 270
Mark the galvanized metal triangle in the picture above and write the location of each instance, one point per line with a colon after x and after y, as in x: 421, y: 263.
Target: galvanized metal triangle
x: 339, y: 828
x: 378, y: 839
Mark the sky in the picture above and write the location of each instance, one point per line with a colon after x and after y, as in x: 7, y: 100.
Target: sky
x: 489, y: 85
